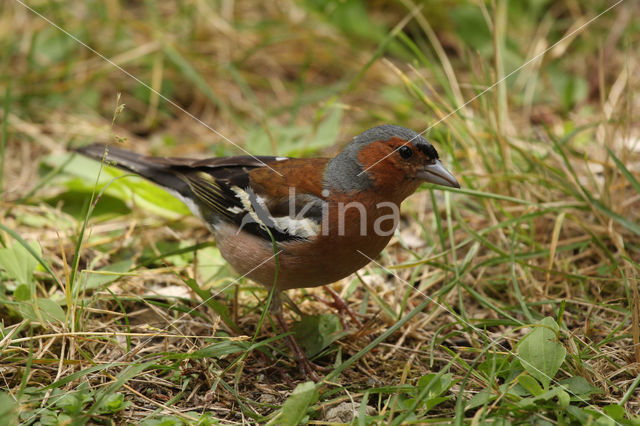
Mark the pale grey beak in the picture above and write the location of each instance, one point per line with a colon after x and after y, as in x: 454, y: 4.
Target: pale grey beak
x: 438, y: 174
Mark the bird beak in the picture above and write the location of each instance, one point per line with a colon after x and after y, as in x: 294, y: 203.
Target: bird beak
x: 438, y: 174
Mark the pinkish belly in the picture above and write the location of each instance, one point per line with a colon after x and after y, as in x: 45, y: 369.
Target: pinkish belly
x: 299, y: 264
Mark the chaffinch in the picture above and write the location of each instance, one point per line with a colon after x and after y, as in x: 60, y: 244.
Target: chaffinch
x: 325, y: 218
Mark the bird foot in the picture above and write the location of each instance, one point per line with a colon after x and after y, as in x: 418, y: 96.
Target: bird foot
x: 307, y: 368
x: 342, y: 307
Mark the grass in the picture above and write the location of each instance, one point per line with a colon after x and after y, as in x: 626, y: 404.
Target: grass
x: 511, y: 300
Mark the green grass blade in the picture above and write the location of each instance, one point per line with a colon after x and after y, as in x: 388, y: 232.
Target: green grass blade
x: 625, y: 172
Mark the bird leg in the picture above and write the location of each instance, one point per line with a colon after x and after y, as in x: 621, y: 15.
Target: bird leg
x: 306, y: 367
x: 342, y: 307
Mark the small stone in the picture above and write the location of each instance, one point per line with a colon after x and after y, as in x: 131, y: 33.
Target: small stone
x: 267, y: 398
x: 345, y: 412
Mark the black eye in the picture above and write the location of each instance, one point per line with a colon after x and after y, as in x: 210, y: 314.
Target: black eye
x: 405, y: 152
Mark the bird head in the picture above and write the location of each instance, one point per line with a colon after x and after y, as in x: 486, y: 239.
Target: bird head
x: 388, y: 159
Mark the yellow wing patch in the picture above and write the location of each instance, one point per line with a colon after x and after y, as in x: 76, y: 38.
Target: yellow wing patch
x: 205, y: 187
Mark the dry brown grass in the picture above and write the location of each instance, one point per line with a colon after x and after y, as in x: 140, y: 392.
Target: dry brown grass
x: 534, y: 234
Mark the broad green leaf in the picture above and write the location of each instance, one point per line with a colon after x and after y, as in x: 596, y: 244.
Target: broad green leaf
x: 577, y: 385
x: 19, y: 263
x: 579, y: 388
x: 107, y: 274
x: 615, y: 411
x: 530, y: 384
x: 34, y: 252
x: 47, y: 311
x: 540, y: 353
x: 73, y: 402
x: 113, y: 403
x: 545, y: 396
x: 75, y: 202
x: 51, y: 309
x: 431, y: 387
x: 483, y: 397
x: 432, y: 402
x: 22, y: 293
x: 163, y: 421
x: 295, y: 407
x: 563, y: 399
x: 121, y: 185
x: 495, y: 365
x: 184, y: 258
x: 210, y: 261
x: 128, y: 373
x: 8, y: 409
x: 315, y: 332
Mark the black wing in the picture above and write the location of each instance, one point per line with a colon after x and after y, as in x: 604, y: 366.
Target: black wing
x: 215, y: 189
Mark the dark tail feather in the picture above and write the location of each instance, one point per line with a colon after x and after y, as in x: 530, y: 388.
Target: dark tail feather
x: 120, y: 158
x: 147, y: 167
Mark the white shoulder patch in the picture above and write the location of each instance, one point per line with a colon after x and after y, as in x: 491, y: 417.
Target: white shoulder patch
x: 299, y: 227
x: 235, y: 209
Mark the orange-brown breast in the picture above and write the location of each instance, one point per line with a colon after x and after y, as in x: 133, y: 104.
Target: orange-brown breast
x: 339, y: 250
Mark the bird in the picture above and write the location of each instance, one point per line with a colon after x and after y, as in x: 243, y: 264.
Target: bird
x: 297, y: 222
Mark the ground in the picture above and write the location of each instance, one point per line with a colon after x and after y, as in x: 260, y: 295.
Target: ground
x: 513, y: 299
